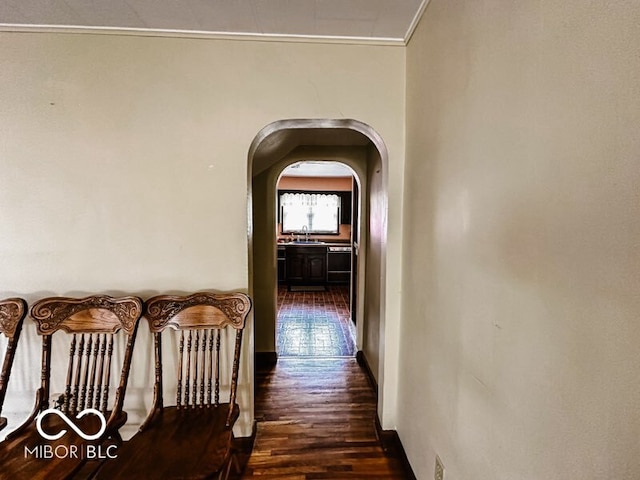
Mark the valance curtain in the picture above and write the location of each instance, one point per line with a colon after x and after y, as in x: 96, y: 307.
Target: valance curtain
x: 313, y: 212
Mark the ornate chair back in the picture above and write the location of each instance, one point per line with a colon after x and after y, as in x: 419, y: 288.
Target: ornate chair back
x: 12, y: 313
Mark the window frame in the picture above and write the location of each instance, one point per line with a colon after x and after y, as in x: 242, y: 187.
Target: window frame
x: 340, y: 195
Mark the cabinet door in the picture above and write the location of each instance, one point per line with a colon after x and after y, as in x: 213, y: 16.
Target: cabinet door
x: 345, y: 208
x: 295, y: 267
x: 282, y: 274
x: 316, y: 268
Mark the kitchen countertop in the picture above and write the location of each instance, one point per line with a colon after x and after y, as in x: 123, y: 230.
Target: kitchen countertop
x: 315, y: 244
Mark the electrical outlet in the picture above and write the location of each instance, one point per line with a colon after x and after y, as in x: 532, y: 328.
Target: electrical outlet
x: 439, y: 474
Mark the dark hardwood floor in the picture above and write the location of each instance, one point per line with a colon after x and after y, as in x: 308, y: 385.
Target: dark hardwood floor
x: 316, y: 421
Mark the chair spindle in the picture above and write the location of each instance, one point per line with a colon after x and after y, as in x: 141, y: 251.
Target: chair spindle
x: 66, y: 400
x: 105, y: 394
x: 188, y: 372
x: 210, y: 367
x: 179, y: 391
x: 94, y: 361
x: 195, y: 370
x: 217, y: 387
x: 85, y: 377
x: 103, y: 352
x: 203, y: 355
x: 76, y: 382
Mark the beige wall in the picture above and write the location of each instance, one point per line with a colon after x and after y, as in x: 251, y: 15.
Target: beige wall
x: 521, y: 278
x: 124, y: 159
x: 265, y: 267
x: 375, y: 198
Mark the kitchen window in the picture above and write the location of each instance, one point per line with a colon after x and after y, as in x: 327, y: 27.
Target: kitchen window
x: 315, y: 213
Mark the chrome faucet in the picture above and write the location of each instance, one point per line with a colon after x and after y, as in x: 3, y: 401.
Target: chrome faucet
x: 305, y: 231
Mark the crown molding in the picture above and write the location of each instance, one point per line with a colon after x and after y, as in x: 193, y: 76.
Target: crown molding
x: 194, y: 34
x: 415, y: 21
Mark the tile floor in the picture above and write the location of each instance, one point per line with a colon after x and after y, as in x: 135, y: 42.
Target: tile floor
x: 315, y: 324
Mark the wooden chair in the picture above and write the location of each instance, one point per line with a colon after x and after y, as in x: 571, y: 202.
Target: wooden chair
x: 12, y: 312
x: 95, y: 333
x: 191, y: 439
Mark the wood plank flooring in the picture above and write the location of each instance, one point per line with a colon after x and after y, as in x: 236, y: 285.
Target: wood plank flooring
x: 316, y: 421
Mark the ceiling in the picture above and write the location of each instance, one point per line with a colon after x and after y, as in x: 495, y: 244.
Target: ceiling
x: 377, y: 21
x: 318, y: 169
x: 311, y: 139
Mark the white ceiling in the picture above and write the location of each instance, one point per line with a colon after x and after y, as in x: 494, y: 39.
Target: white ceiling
x: 356, y: 20
x: 317, y: 169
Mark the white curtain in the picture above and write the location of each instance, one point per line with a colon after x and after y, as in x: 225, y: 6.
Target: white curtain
x: 315, y: 212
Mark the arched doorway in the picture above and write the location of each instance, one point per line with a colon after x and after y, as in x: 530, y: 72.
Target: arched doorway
x: 317, y: 234
x: 361, y: 148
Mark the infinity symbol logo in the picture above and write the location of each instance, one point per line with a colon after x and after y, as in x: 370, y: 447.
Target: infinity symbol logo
x: 66, y: 419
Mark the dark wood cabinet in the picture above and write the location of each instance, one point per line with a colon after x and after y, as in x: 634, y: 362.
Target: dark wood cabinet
x: 317, y: 267
x: 282, y: 262
x: 295, y: 262
x: 345, y: 207
x: 306, y: 265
